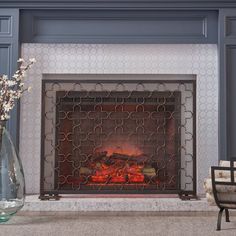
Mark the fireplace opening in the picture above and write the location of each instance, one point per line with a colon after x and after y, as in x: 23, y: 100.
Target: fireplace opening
x: 118, y: 137
x: 123, y: 139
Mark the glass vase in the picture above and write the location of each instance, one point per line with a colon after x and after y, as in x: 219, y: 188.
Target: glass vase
x: 12, y: 182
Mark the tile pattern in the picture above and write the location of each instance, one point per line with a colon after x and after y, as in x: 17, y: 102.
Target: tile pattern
x: 200, y: 60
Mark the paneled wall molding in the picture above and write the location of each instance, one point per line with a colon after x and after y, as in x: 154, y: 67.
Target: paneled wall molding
x: 118, y: 4
x: 9, y: 48
x: 115, y: 26
x: 227, y: 114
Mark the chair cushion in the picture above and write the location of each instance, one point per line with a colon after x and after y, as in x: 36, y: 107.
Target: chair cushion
x: 223, y: 173
x: 219, y: 188
x: 222, y: 197
x: 224, y: 192
x: 226, y: 163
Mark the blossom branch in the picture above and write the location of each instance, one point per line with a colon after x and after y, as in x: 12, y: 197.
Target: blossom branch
x: 11, y: 89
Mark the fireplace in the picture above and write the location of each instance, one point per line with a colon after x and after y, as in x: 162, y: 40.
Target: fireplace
x: 121, y: 63
x: 118, y: 136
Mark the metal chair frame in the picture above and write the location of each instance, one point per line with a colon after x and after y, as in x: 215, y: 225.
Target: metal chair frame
x: 220, y: 203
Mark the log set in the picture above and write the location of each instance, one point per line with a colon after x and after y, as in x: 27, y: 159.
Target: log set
x: 118, y: 169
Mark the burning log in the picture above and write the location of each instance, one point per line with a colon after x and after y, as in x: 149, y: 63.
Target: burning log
x: 98, y: 165
x: 124, y: 157
x: 120, y: 156
x: 109, y: 162
x: 138, y: 178
x: 98, y: 156
x: 148, y: 171
x: 99, y: 178
x: 119, y: 168
x: 85, y: 171
x: 118, y: 179
x: 133, y: 169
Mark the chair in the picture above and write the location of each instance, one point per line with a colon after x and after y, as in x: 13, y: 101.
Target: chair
x: 224, y: 189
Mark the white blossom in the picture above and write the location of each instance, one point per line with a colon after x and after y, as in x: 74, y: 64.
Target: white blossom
x: 20, y: 60
x: 4, y: 77
x: 11, y: 82
x: 15, y: 76
x: 32, y: 60
x: 12, y: 88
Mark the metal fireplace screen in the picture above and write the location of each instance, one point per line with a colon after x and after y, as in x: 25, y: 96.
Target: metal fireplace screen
x: 118, y: 137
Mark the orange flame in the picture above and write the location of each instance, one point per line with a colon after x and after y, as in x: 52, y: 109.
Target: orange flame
x: 120, y: 171
x: 122, y: 148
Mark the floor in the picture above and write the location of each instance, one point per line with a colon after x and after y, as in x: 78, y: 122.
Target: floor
x: 115, y: 225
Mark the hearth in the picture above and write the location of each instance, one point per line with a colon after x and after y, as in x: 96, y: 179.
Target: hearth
x: 126, y: 136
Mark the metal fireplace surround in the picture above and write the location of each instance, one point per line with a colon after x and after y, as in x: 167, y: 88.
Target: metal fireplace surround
x: 118, y: 137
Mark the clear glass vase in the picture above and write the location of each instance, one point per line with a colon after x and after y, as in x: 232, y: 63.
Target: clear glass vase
x: 12, y: 182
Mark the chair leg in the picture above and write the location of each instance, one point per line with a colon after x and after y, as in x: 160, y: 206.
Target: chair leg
x: 227, y: 215
x: 219, y: 219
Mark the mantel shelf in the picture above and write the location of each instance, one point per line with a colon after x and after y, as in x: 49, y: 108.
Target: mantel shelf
x: 118, y: 4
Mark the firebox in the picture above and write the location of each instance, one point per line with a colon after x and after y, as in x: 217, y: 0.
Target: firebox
x: 110, y: 136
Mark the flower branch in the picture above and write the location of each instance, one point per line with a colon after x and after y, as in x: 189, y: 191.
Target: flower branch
x: 11, y: 89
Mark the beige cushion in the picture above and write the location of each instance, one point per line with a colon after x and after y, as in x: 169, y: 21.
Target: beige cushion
x: 227, y: 196
x: 222, y: 197
x: 223, y: 173
x: 219, y: 188
x: 224, y: 192
x: 226, y: 163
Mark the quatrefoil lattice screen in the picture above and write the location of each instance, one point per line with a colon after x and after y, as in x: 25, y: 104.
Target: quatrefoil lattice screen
x: 126, y: 136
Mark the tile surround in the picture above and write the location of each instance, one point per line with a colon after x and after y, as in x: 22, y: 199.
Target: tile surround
x: 199, y: 60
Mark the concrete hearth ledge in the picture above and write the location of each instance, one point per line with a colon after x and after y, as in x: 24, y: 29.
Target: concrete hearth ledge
x: 121, y: 204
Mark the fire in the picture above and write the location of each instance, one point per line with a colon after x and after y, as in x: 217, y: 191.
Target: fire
x: 122, y: 167
x: 118, y: 174
x: 122, y: 148
x: 116, y: 164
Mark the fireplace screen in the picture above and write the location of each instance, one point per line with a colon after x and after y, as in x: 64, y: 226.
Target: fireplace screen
x: 118, y: 137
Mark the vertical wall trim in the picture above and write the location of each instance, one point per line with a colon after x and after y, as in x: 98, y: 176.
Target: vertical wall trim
x: 222, y: 90
x: 227, y: 61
